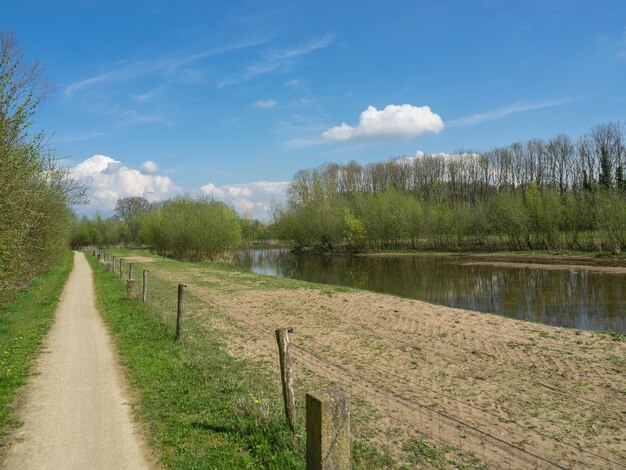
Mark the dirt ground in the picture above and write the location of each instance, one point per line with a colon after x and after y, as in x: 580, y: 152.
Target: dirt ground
x: 139, y: 259
x: 551, y: 267
x: 587, y: 260
x: 506, y: 393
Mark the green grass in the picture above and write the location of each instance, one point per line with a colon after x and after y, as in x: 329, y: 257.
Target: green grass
x: 202, y: 408
x: 614, y: 335
x: 23, y: 323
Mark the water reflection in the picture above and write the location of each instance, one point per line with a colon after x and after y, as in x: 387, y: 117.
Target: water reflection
x: 571, y: 298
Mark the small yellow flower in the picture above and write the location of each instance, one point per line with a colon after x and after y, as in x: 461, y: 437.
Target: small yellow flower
x: 256, y: 401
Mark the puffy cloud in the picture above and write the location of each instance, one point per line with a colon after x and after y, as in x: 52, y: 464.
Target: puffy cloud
x: 265, y: 103
x: 149, y: 166
x: 395, y: 122
x: 108, y: 180
x: 254, y: 198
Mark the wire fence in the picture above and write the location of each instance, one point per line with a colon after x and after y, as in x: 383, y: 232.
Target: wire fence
x: 416, y: 411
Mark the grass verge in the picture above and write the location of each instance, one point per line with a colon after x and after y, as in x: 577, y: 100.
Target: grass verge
x: 23, y: 324
x: 203, y: 408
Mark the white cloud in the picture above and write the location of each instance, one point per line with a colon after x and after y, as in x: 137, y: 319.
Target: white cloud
x: 168, y: 67
x: 86, y: 83
x: 265, y: 103
x: 439, y: 155
x: 279, y: 60
x: 395, y: 122
x: 500, y: 113
x: 149, y: 166
x: 108, y: 180
x: 312, y: 45
x: 147, y: 96
x: 254, y: 198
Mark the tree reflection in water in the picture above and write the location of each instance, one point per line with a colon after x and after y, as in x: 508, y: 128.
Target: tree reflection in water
x: 570, y: 298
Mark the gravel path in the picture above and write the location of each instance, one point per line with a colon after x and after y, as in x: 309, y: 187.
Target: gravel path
x: 74, y: 408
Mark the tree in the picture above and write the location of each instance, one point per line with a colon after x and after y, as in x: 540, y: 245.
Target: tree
x: 131, y: 210
x: 36, y: 195
x: 620, y: 182
x: 355, y: 234
x: 605, y: 179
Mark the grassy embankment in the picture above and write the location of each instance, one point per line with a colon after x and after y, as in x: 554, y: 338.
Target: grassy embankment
x: 203, y: 408
x: 469, y: 249
x: 23, y: 323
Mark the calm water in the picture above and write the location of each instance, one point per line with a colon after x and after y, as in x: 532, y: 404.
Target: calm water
x: 572, y: 298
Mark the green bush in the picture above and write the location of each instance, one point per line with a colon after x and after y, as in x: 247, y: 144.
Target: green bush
x: 36, y: 195
x: 191, y: 229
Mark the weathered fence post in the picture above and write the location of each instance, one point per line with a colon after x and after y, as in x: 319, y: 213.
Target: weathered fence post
x: 282, y: 338
x: 327, y: 430
x: 145, y: 285
x: 179, y: 313
x: 130, y: 288
x: 109, y: 266
x: 130, y: 270
x: 113, y: 266
x: 122, y: 268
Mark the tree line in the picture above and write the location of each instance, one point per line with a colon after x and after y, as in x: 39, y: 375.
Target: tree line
x: 183, y: 227
x: 559, y: 193
x: 36, y: 195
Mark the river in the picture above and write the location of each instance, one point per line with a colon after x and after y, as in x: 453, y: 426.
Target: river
x: 573, y: 298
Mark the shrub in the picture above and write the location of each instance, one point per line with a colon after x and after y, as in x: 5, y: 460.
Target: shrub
x: 191, y: 229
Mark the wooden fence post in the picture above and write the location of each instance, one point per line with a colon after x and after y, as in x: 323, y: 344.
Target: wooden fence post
x: 130, y: 270
x: 122, y: 268
x: 109, y: 266
x: 145, y: 285
x: 282, y: 338
x: 179, y: 313
x: 327, y: 430
x: 130, y: 288
x: 113, y: 266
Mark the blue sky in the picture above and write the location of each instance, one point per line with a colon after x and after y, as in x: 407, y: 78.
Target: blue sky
x: 232, y: 98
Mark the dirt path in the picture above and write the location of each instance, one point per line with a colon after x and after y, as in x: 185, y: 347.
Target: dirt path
x: 74, y: 409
